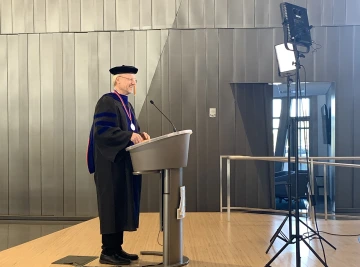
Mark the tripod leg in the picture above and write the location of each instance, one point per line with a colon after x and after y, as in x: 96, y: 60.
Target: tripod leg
x: 272, y: 240
x: 313, y: 251
x: 279, y: 229
x: 277, y: 254
x: 316, y: 234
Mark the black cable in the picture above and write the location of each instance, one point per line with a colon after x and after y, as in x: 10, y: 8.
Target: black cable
x: 337, y: 234
x: 318, y: 47
x: 307, y: 161
x: 158, y: 238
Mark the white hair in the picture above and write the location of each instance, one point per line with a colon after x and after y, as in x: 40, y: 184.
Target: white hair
x: 114, y: 79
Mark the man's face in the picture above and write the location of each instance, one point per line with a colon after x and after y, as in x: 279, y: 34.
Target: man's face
x: 126, y: 83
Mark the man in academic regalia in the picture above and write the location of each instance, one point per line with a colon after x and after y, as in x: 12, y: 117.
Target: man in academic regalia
x: 118, y: 190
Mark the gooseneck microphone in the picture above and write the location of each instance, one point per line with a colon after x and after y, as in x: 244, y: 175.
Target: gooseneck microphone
x: 152, y: 102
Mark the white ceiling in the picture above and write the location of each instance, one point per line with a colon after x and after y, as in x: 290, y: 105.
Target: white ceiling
x: 312, y: 88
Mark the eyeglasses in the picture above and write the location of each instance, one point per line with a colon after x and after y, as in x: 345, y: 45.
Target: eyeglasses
x: 130, y: 79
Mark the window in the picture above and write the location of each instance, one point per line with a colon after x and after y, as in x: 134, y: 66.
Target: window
x: 303, y: 128
x: 276, y: 119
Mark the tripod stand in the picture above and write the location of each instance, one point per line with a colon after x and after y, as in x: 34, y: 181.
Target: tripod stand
x: 294, y: 238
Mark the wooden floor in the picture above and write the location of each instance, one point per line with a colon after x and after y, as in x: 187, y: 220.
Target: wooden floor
x: 209, y: 240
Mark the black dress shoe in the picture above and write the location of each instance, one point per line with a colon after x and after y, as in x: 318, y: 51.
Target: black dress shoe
x: 113, y: 260
x: 125, y: 255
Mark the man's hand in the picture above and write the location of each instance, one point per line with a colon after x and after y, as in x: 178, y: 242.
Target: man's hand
x: 145, y: 136
x: 136, y: 138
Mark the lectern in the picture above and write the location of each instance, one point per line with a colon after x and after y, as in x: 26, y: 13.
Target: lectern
x: 168, y: 155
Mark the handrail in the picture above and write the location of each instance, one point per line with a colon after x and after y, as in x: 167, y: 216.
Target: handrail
x: 311, y: 160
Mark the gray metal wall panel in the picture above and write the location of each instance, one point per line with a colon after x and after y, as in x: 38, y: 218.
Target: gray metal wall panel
x: 47, y: 123
x: 141, y: 94
x: 308, y: 62
x: 356, y: 99
x: 109, y: 15
x: 29, y: 16
x: 135, y: 15
x: 140, y: 63
x: 130, y: 56
x: 104, y: 63
x: 263, y: 143
x: 221, y: 8
x: 239, y: 55
x: 251, y: 168
x: 226, y: 97
x: 93, y: 94
x: 177, y: 4
x: 265, y: 55
x: 196, y: 14
x: 6, y: 17
x: 344, y: 126
x: 153, y: 53
x: 332, y: 47
x: 182, y: 17
x: 123, y: 12
x: 251, y: 57
x: 278, y: 38
x: 18, y: 17
x: 236, y: 13
x: 123, y: 52
x: 175, y: 78
x: 99, y: 15
x: 274, y: 13
x: 171, y: 10
x: 158, y: 14
x: 69, y: 105
x: 249, y: 13
x: 165, y: 100
x: 315, y: 12
x: 319, y: 35
x: 262, y: 10
x: 240, y: 146
x: 340, y: 14
x: 58, y: 125
x: 75, y: 15
x: 212, y: 86
x: 4, y: 124
x: 301, y: 3
x: 327, y: 12
x: 201, y: 120
x: 93, y: 67
x: 4, y: 233
x: 189, y: 107
x: 154, y: 129
x: 82, y: 122
x: 23, y: 96
x: 63, y: 16
x: 352, y: 12
x: 34, y: 124
x: 88, y: 14
x: 145, y: 15
x: 209, y: 13
x: 52, y: 16
x: 16, y: 189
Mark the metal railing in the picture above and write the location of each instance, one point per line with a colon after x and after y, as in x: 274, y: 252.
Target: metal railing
x: 312, y: 161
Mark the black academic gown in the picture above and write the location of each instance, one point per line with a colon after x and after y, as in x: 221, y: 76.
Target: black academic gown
x: 118, y: 190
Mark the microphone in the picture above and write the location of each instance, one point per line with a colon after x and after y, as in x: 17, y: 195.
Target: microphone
x: 152, y: 102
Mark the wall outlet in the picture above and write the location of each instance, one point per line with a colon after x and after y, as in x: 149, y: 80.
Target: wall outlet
x: 212, y: 112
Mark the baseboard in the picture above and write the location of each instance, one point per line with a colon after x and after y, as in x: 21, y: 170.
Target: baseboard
x: 43, y: 218
x: 347, y: 210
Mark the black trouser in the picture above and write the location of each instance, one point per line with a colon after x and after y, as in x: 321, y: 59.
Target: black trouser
x: 111, y: 243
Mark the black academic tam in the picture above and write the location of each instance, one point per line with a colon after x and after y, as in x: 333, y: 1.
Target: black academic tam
x: 118, y: 190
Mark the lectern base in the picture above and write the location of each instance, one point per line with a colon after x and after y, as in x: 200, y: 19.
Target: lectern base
x: 185, y: 260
